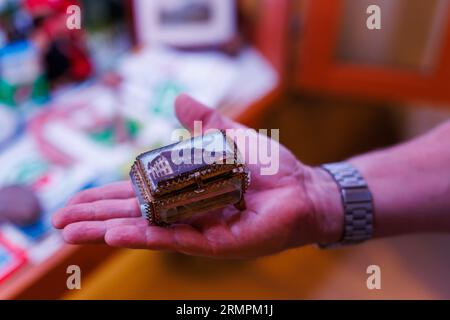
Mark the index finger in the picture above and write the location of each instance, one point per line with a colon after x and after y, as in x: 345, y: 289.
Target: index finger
x: 182, y: 238
x: 189, y: 110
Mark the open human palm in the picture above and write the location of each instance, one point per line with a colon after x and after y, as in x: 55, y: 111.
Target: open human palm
x: 282, y: 210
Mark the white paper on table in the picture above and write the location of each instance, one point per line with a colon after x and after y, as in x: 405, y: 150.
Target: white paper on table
x: 207, y: 76
x: 86, y: 152
x: 23, y: 163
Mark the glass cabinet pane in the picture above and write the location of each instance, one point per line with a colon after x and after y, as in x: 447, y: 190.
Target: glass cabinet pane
x: 410, y: 37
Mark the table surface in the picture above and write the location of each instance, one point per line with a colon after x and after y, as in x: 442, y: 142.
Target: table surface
x: 412, y: 267
x: 47, y: 280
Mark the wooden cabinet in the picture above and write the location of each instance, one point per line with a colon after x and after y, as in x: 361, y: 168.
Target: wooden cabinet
x: 408, y: 59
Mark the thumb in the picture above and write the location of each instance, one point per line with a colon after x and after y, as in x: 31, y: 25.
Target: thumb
x: 189, y: 110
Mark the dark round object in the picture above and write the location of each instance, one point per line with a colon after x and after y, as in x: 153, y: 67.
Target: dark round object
x: 19, y: 205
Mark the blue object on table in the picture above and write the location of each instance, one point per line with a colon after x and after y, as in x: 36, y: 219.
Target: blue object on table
x: 36, y: 230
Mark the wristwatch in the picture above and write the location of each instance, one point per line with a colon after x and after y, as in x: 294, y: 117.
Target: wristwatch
x: 357, y: 202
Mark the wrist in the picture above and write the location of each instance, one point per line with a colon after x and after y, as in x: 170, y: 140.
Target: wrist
x: 327, y: 206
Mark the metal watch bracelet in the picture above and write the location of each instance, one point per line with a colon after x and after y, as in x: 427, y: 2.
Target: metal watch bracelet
x: 357, y: 202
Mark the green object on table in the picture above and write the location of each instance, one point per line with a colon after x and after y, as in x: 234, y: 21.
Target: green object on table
x: 106, y: 136
x: 40, y: 93
x: 9, y: 93
x: 133, y: 128
x: 166, y: 94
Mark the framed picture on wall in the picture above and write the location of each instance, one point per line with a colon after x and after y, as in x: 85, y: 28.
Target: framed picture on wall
x: 184, y: 23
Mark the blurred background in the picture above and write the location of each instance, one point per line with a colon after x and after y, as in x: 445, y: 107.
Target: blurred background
x: 81, y: 95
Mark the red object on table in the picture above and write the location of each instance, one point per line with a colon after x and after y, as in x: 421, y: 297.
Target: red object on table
x: 52, y: 32
x: 18, y: 258
x: 38, y: 6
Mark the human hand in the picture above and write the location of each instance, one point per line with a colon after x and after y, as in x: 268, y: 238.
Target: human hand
x: 298, y: 205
